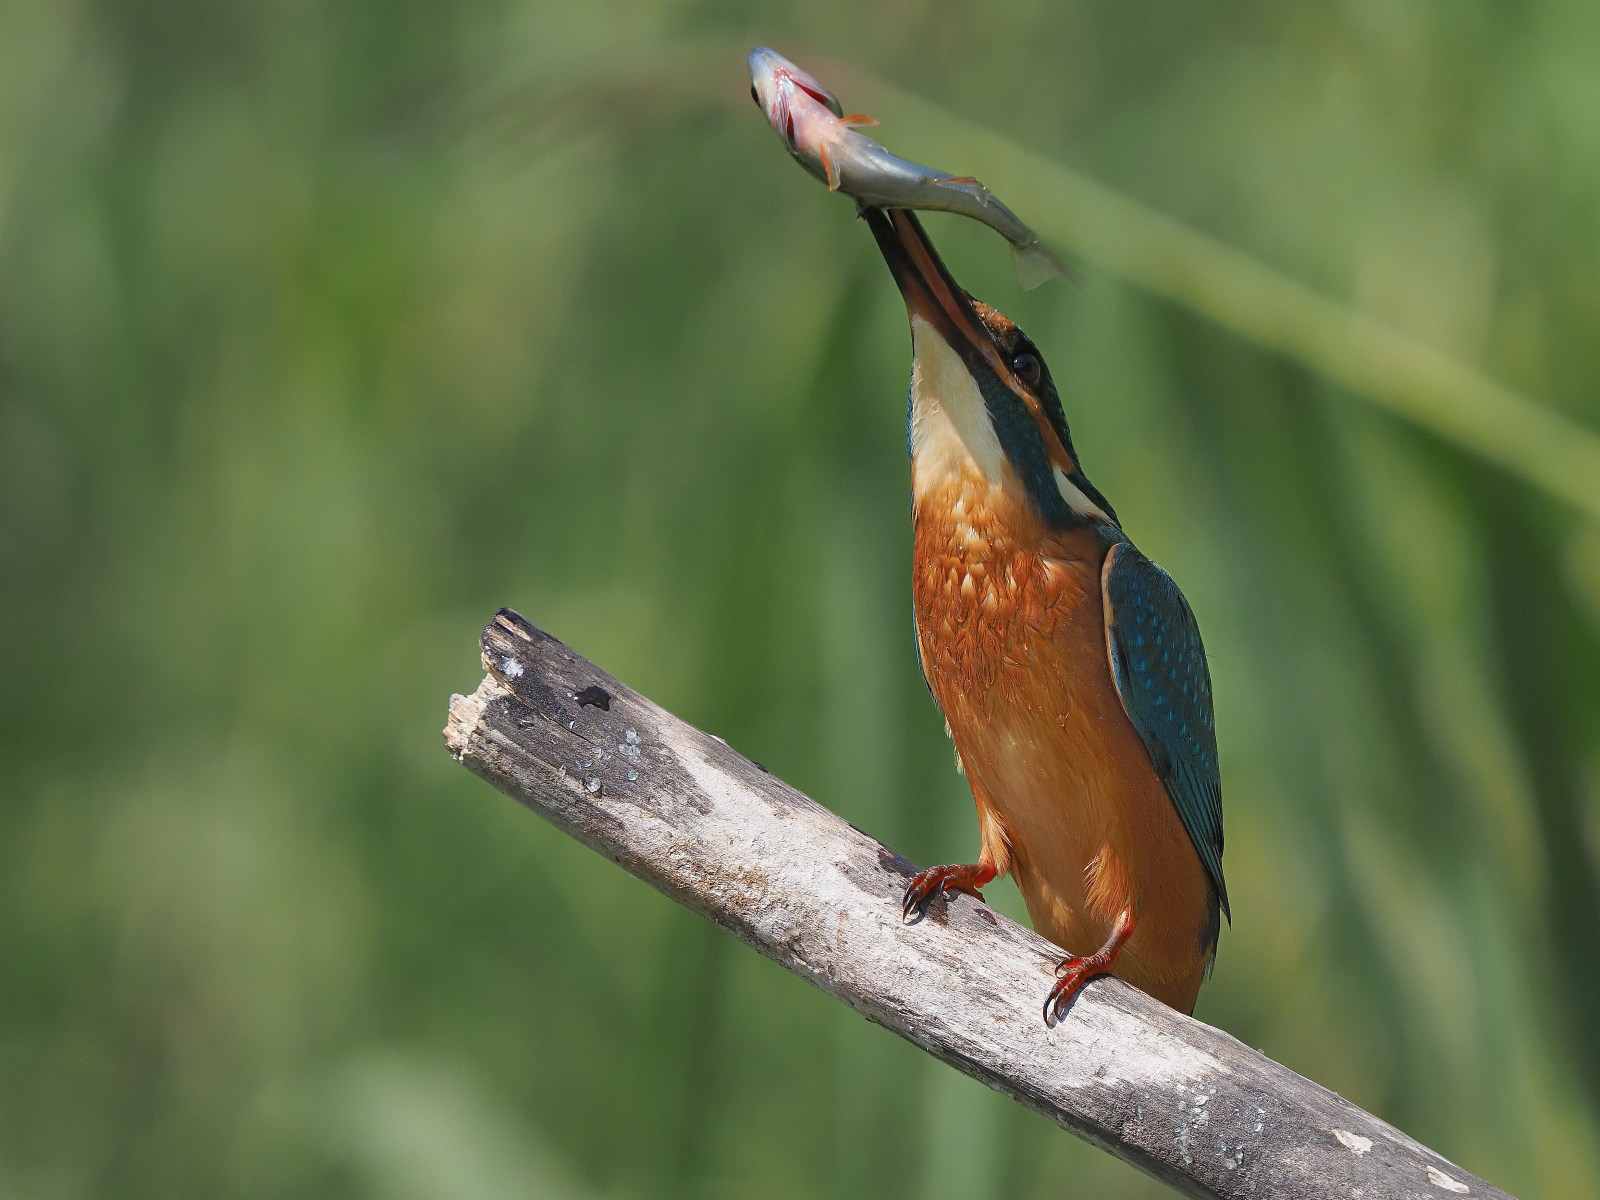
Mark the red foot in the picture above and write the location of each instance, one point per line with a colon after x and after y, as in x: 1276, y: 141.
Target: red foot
x: 921, y: 890
x: 1074, y: 972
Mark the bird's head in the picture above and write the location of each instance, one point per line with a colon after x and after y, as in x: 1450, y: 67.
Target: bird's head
x: 981, y: 395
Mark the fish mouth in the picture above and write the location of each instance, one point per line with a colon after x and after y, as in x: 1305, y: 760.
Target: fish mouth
x: 931, y: 294
x: 769, y: 71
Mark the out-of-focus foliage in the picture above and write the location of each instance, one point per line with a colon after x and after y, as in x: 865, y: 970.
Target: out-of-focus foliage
x: 326, y: 328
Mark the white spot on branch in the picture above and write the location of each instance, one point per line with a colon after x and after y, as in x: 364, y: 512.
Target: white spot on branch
x: 465, y: 713
x: 1440, y: 1180
x: 1353, y: 1142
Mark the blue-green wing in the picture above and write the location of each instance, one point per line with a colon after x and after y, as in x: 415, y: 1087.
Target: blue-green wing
x: 1160, y: 670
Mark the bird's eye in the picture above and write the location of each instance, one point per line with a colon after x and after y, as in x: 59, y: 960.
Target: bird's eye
x: 1028, y: 368
x: 753, y: 95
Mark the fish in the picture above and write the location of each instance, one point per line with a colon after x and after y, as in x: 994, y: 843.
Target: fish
x: 830, y: 145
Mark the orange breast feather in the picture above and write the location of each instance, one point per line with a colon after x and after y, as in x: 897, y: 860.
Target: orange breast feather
x: 1011, y: 630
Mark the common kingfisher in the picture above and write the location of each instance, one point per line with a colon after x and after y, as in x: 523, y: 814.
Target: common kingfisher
x: 1068, y: 666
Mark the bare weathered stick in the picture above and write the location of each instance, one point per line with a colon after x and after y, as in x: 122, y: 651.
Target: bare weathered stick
x: 679, y: 809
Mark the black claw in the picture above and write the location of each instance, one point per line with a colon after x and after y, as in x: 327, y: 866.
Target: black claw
x: 912, y: 904
x: 923, y: 890
x: 917, y: 898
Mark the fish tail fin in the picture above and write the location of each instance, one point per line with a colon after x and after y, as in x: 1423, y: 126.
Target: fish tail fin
x: 1035, y: 264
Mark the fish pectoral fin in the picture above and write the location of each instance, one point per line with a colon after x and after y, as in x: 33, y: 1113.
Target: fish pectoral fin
x: 962, y: 179
x: 829, y: 167
x: 858, y: 119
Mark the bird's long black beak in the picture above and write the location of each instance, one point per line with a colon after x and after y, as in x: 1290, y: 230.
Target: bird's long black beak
x: 929, y: 291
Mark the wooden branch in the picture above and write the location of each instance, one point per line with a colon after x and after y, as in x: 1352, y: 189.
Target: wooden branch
x: 678, y: 808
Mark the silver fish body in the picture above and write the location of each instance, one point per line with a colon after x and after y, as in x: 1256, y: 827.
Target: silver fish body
x: 809, y: 119
x: 879, y: 179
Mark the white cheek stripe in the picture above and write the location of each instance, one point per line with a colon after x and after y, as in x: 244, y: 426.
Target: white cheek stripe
x: 1076, y: 500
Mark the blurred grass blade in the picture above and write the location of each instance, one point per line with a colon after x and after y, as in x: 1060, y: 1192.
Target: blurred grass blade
x: 1173, y: 260
x: 35, y: 39
x: 1396, y: 371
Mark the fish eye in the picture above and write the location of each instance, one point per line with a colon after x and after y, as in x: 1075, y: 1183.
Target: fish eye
x: 754, y: 96
x: 1027, y: 367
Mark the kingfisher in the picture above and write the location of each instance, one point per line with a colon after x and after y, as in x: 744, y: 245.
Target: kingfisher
x: 1068, y: 666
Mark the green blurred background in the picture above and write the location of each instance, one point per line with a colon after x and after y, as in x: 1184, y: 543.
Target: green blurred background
x: 329, y: 326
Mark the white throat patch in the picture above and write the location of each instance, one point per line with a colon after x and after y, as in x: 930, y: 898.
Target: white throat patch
x: 950, y: 429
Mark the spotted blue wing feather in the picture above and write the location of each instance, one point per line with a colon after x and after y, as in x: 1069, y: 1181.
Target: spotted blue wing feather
x: 1159, y: 665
